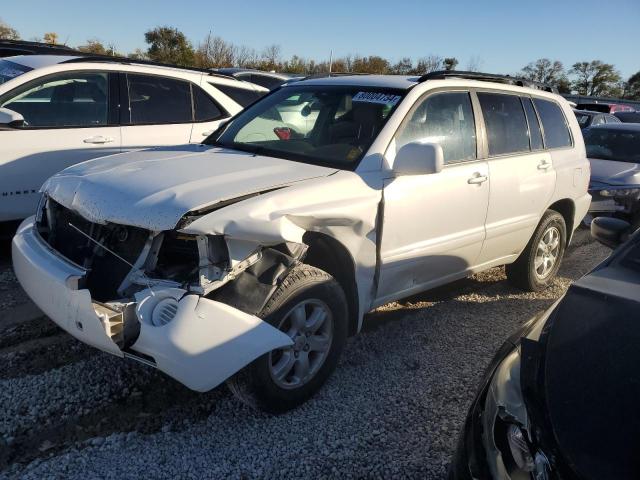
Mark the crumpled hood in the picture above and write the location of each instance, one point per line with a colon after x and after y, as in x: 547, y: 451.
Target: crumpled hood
x: 611, y: 172
x: 155, y: 188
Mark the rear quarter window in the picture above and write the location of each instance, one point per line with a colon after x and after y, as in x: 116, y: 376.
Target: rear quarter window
x: 556, y: 130
x: 242, y: 96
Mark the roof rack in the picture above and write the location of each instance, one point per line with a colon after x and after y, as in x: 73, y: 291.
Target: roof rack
x: 487, y: 77
x: 132, y: 61
x: 28, y: 43
x: 331, y: 74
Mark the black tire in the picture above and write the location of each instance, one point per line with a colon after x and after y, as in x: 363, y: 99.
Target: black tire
x: 522, y: 272
x: 254, y: 385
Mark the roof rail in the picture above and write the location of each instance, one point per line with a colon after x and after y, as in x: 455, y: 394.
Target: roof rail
x: 27, y: 43
x: 487, y: 77
x: 132, y: 61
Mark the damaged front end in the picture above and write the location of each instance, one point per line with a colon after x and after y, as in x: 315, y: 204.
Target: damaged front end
x: 185, y: 303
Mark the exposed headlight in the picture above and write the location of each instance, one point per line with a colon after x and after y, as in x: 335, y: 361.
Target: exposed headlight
x: 519, y: 448
x: 619, y: 192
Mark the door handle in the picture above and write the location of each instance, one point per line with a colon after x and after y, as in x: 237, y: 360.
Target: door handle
x: 544, y: 165
x: 477, y: 179
x: 207, y: 133
x: 99, y: 139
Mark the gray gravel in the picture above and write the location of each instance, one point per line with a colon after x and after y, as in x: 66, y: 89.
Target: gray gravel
x: 392, y: 409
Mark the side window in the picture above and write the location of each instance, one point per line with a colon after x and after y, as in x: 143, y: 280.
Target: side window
x: 159, y: 100
x: 242, y: 96
x: 598, y: 120
x: 535, y: 134
x: 69, y: 100
x: 204, y: 107
x: 446, y: 119
x: 612, y: 119
x: 506, y: 124
x: 265, y: 81
x: 556, y: 131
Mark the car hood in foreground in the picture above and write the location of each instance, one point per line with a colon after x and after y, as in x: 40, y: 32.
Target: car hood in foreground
x: 611, y: 172
x: 584, y: 372
x: 155, y: 188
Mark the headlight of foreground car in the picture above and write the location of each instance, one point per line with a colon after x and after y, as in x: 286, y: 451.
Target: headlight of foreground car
x: 508, y: 446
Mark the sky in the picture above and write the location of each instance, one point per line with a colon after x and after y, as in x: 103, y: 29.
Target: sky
x: 503, y: 35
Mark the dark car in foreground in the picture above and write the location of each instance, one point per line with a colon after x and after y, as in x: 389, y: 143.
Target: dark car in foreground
x: 560, y: 398
x: 587, y: 118
x: 614, y: 156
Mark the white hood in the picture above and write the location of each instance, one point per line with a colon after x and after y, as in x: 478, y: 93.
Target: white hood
x: 154, y: 188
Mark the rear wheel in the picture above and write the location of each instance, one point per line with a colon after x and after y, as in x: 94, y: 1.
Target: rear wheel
x: 310, y: 307
x: 538, y: 264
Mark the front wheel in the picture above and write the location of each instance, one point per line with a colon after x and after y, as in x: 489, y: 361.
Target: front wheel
x: 538, y: 264
x: 311, y: 308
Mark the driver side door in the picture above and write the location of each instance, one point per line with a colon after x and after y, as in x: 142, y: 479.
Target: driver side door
x: 434, y: 225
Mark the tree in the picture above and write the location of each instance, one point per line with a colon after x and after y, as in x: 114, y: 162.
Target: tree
x: 450, y: 63
x: 632, y: 87
x: 596, y: 79
x: 7, y: 32
x: 50, y: 38
x: 474, y: 64
x: 271, y: 57
x: 428, y: 64
x: 96, y: 47
x: 544, y: 70
x: 372, y: 64
x: 138, y: 54
x: 169, y: 45
x: 215, y: 52
x: 403, y: 67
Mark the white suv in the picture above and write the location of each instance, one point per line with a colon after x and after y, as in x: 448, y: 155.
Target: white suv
x: 56, y: 111
x: 251, y: 258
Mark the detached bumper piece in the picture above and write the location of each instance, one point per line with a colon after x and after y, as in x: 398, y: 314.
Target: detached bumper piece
x: 197, y: 341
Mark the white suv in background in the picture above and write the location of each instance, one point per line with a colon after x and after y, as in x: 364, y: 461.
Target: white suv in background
x: 56, y: 111
x: 251, y: 257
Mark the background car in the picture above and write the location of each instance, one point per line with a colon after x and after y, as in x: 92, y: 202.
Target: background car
x: 11, y: 48
x: 56, y: 111
x: 270, y: 80
x: 560, y: 398
x: 628, y: 117
x: 614, y: 155
x: 588, y: 118
x: 606, y: 107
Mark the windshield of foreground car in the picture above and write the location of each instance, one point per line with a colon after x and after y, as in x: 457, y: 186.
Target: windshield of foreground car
x: 613, y: 145
x: 10, y: 70
x: 324, y: 125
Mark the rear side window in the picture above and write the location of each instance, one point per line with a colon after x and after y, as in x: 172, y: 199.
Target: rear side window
x: 612, y: 119
x: 205, y: 108
x: 556, y: 131
x: 242, y: 96
x: 535, y: 134
x: 506, y: 124
x: 159, y: 100
x: 446, y: 119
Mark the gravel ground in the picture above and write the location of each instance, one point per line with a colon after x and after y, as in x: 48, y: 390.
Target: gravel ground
x: 393, y: 408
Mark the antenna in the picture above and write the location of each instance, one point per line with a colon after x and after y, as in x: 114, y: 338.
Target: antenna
x: 330, y: 59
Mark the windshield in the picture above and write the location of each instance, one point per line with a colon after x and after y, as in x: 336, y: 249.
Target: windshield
x: 9, y: 70
x: 613, y: 145
x: 328, y: 125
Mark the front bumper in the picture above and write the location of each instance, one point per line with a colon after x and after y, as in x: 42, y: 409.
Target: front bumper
x: 204, y: 344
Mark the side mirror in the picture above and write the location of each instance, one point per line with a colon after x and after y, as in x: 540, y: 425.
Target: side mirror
x: 609, y: 231
x: 9, y: 118
x: 419, y: 158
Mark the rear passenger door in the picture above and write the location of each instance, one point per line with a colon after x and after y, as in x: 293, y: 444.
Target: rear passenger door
x: 165, y: 111
x: 521, y: 172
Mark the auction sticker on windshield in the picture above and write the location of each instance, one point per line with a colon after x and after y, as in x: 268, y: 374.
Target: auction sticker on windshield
x: 376, y: 97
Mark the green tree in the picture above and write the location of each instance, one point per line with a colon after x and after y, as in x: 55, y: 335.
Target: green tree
x: 7, y: 32
x: 169, y: 45
x: 632, y: 87
x: 403, y: 67
x: 450, y: 63
x: 596, y: 79
x: 96, y: 47
x: 50, y: 38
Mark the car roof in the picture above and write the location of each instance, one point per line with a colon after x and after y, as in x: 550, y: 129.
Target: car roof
x: 39, y: 61
x: 383, y: 81
x: 629, y: 127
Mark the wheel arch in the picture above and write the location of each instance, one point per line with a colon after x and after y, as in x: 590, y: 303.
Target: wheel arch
x: 328, y: 254
x: 567, y: 209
